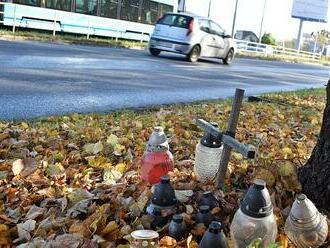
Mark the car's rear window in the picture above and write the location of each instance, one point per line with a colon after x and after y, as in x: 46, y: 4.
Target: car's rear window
x: 180, y: 21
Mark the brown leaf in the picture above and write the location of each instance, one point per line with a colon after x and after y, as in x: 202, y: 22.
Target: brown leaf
x: 167, y: 242
x: 111, y: 226
x: 5, y: 240
x: 67, y: 240
x: 81, y: 229
x: 35, y: 212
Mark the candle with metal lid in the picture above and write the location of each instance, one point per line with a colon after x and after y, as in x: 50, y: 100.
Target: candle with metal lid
x: 305, y: 226
x: 163, y: 198
x: 254, y: 219
x: 214, y: 237
x: 177, y: 228
x: 157, y: 159
x: 144, y: 239
x: 207, y: 157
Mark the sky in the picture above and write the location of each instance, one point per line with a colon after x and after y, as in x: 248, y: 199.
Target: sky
x: 277, y: 18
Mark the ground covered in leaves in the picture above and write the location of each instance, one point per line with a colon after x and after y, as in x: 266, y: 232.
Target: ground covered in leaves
x: 74, y: 180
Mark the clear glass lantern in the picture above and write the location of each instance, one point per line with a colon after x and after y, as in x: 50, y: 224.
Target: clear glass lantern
x: 254, y: 219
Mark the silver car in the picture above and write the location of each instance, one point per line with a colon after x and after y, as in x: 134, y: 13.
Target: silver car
x: 192, y: 35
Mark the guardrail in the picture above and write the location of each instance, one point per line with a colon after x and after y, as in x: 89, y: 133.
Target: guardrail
x: 248, y: 48
x: 89, y: 27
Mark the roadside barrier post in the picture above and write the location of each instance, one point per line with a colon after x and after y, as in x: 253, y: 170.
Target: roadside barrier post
x: 14, y: 26
x: 54, y: 29
x: 228, y: 138
x: 88, y: 31
x: 2, y: 11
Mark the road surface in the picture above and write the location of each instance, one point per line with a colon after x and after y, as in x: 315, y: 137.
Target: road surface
x: 42, y: 79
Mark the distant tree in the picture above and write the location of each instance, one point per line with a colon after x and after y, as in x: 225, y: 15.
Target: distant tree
x: 322, y: 36
x: 267, y: 38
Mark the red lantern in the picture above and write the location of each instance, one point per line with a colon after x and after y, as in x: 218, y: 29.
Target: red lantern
x: 157, y: 160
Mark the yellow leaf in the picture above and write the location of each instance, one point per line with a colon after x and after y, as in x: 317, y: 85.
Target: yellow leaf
x: 287, y: 151
x: 119, y: 149
x: 112, y: 225
x: 93, y: 148
x: 112, y: 140
x: 99, y: 162
x: 139, y: 124
x: 24, y: 125
x: 121, y: 167
x: 286, y: 169
x: 265, y: 175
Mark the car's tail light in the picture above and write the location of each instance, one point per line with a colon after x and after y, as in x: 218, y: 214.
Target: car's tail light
x: 190, y: 26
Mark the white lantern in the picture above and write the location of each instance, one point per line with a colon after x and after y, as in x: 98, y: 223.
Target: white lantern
x: 207, y: 157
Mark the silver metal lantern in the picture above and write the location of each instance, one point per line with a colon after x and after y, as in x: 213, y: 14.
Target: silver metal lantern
x: 305, y: 226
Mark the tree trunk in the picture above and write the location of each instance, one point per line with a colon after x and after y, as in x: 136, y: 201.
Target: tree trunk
x: 315, y: 174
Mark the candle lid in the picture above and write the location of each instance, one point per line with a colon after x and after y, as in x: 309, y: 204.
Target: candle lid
x: 144, y: 234
x: 256, y: 202
x: 210, y: 141
x: 303, y: 210
x: 164, y: 195
x: 157, y: 141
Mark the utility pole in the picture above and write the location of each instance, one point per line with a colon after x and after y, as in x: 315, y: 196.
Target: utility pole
x: 262, y: 21
x: 234, y: 20
x: 208, y: 13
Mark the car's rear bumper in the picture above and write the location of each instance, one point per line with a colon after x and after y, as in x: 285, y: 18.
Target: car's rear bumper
x: 169, y: 45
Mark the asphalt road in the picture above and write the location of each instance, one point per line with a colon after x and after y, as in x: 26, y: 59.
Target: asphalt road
x: 41, y: 79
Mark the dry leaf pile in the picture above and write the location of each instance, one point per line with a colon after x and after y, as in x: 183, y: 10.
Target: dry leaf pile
x: 74, y: 181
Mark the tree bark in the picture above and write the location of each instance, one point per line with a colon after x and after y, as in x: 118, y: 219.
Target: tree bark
x: 315, y: 174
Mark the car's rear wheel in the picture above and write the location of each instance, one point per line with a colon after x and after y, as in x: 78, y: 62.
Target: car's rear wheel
x: 154, y: 51
x: 229, y: 57
x: 194, y: 54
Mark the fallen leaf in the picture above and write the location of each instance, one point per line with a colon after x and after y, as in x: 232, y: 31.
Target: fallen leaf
x: 77, y: 194
x: 93, y: 148
x: 18, y: 166
x: 34, y: 212
x: 67, y: 240
x: 167, y: 242
x: 119, y: 149
x: 5, y: 240
x: 111, y: 226
x: 183, y: 196
x: 265, y: 175
x: 112, y: 140
x: 25, y: 228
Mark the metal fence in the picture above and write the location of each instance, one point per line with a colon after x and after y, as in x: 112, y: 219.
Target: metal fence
x: 54, y: 26
x: 259, y: 49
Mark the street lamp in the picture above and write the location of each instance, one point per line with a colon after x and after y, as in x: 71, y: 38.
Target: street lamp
x: 234, y: 20
x: 262, y: 20
x: 208, y: 13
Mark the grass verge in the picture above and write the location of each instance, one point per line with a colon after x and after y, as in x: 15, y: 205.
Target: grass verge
x: 93, y: 160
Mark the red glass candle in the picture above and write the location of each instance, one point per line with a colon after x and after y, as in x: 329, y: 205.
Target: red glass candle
x: 157, y: 160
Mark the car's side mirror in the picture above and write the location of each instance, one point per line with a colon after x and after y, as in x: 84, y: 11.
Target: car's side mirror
x: 226, y: 36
